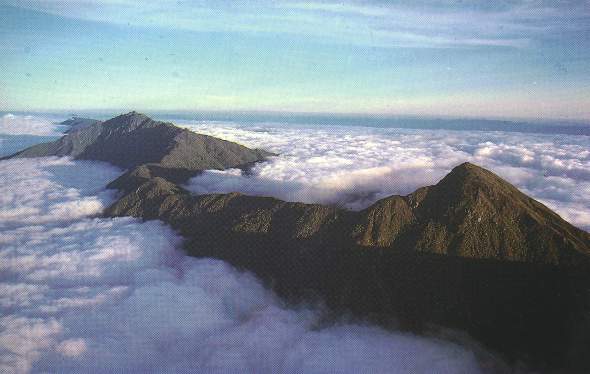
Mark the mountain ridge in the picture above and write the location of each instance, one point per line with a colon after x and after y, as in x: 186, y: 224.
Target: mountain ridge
x: 391, y: 264
x: 132, y: 139
x: 471, y: 252
x: 458, y: 216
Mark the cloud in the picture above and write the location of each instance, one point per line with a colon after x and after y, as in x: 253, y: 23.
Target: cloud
x: 79, y: 293
x: 84, y: 294
x: 42, y: 190
x: 385, y: 24
x: 72, y: 347
x: 22, y: 340
x: 355, y: 166
x: 11, y: 124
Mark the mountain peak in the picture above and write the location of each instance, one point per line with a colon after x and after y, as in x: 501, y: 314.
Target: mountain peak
x: 133, y: 139
x: 468, y: 179
x: 134, y: 113
x: 131, y: 120
x: 474, y: 213
x: 467, y: 169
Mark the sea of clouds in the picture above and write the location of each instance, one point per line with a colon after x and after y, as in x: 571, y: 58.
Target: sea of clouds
x: 14, y: 124
x: 80, y: 293
x: 355, y: 166
x: 21, y: 131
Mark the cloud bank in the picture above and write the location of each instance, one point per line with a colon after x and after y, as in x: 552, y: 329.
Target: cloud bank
x: 355, y: 166
x: 12, y: 124
x: 83, y: 294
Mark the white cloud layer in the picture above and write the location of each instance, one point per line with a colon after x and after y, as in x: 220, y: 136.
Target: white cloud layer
x: 13, y: 124
x: 355, y: 166
x: 36, y: 191
x: 83, y: 294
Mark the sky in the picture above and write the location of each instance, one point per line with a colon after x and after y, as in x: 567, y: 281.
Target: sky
x: 514, y: 59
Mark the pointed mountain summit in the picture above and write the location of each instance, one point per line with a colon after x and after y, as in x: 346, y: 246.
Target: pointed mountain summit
x: 134, y: 139
x: 474, y: 213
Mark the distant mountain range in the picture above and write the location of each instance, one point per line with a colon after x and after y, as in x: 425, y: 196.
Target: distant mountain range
x: 471, y: 252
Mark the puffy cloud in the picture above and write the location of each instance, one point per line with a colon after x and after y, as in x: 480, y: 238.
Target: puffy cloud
x: 23, y: 339
x: 84, y: 294
x: 355, y: 166
x: 72, y: 347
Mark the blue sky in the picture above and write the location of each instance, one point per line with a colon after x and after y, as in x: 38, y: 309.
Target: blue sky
x: 526, y: 59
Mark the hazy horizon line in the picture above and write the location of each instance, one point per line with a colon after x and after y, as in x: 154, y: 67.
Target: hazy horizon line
x: 384, y: 115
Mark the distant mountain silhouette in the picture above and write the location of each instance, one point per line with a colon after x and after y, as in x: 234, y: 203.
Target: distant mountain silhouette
x: 77, y: 123
x: 471, y: 252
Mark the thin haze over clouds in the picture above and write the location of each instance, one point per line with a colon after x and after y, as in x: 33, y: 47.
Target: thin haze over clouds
x: 83, y: 294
